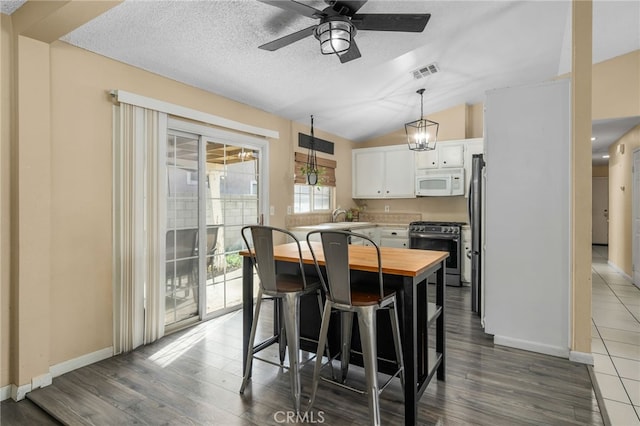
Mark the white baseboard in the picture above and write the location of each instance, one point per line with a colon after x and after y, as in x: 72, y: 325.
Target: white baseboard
x: 581, y: 357
x: 618, y: 270
x: 531, y: 346
x: 41, y: 381
x: 5, y: 392
x: 17, y: 393
x: 81, y: 361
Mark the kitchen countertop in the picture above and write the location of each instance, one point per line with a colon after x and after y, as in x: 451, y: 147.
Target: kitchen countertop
x: 333, y: 226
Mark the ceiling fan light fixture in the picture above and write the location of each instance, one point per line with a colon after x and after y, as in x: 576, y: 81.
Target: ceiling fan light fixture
x: 422, y: 134
x: 335, y: 34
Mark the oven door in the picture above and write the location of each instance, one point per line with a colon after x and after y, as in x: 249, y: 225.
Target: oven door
x: 440, y: 242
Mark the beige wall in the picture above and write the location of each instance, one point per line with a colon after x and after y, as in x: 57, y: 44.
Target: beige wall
x: 581, y: 83
x: 620, y: 199
x: 616, y: 87
x: 5, y: 226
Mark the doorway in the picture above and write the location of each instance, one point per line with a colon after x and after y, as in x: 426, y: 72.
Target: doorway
x: 600, y: 211
x: 214, y: 181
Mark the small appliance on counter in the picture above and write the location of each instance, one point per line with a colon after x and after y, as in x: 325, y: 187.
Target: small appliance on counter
x: 441, y: 236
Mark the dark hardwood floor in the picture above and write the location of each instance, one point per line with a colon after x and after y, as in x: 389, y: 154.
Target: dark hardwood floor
x: 192, y: 378
x: 24, y: 412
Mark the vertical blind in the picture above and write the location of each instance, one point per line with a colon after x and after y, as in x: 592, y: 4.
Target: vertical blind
x: 138, y: 297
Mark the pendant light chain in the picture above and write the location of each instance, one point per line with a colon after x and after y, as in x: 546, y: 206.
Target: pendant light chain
x: 312, y: 161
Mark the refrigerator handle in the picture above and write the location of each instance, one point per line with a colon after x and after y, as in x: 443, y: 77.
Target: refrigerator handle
x: 470, y: 202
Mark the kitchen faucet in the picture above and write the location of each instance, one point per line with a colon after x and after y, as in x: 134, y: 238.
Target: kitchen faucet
x: 337, y: 212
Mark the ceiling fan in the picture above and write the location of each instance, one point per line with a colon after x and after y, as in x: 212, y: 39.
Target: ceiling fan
x: 339, y: 23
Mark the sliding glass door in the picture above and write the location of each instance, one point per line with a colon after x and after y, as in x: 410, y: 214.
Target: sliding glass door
x: 232, y: 176
x: 213, y: 190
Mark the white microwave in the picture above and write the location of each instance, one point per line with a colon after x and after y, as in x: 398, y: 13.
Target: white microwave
x: 440, y: 182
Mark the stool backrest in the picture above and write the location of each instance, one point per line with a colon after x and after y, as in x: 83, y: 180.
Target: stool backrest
x: 260, y: 246
x: 335, y: 247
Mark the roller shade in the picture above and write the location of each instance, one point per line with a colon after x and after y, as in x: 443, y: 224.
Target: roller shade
x: 326, y: 168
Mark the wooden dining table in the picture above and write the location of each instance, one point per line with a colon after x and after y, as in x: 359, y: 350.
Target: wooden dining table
x: 407, y: 271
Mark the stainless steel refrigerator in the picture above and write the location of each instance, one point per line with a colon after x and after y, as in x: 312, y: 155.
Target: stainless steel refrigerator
x: 475, y: 223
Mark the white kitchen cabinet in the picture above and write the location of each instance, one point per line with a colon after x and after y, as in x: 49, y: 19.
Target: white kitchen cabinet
x: 446, y: 155
x: 450, y: 155
x: 427, y: 159
x: 372, y: 233
x: 383, y: 172
x: 394, y: 236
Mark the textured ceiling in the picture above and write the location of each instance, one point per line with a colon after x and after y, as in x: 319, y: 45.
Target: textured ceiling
x: 478, y: 46
x: 9, y: 6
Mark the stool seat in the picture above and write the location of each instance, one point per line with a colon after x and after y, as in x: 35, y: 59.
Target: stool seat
x: 286, y: 283
x: 368, y: 298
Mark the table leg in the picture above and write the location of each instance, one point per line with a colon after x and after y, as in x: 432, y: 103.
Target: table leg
x: 441, y: 279
x: 409, y: 349
x: 247, y: 307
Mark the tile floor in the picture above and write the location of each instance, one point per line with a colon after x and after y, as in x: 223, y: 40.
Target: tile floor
x: 616, y: 340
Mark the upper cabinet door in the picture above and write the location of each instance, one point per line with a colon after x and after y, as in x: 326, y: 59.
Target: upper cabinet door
x: 446, y: 155
x: 367, y: 173
x: 427, y: 159
x: 450, y: 155
x: 399, y: 173
x: 383, y: 172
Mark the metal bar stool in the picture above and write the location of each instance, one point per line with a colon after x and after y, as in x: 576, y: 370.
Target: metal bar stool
x: 286, y: 288
x: 344, y: 296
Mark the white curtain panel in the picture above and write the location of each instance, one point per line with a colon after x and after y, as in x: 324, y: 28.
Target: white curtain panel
x: 139, y: 144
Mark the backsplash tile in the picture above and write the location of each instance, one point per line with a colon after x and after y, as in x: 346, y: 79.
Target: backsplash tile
x: 395, y: 218
x: 294, y: 220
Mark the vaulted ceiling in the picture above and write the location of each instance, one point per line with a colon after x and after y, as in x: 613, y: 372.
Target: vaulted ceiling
x: 476, y: 45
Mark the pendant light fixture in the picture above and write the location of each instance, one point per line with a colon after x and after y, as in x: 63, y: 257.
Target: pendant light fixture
x: 422, y: 134
x: 311, y: 168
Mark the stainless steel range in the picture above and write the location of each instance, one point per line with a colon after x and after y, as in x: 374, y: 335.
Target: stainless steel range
x: 442, y: 236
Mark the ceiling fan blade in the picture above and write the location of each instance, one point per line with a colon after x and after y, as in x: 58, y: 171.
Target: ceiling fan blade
x: 406, y: 22
x: 288, y: 39
x: 351, y: 54
x: 347, y: 7
x: 294, y: 6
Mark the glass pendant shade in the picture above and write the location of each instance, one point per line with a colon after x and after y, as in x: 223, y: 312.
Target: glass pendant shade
x: 334, y: 36
x: 422, y: 134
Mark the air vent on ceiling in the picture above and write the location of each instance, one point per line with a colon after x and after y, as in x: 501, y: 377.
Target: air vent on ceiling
x: 425, y: 71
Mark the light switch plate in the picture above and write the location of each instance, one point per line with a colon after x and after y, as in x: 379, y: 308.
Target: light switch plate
x: 386, y: 209
x: 272, y: 210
